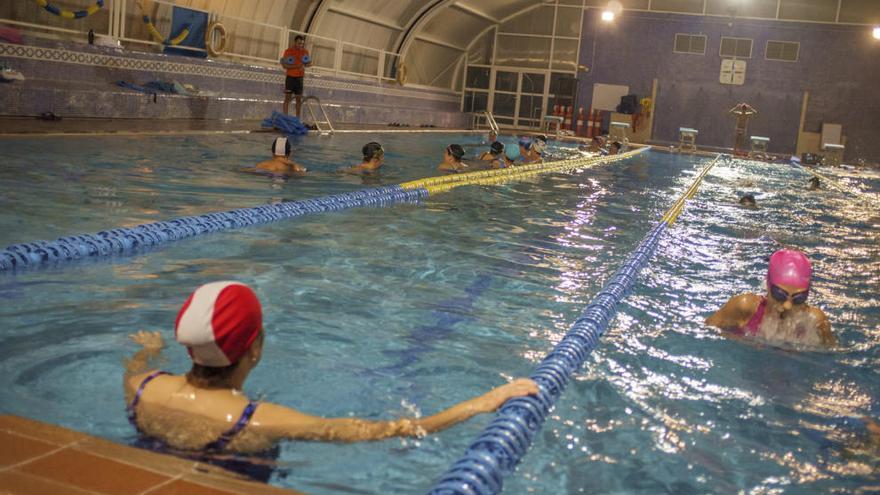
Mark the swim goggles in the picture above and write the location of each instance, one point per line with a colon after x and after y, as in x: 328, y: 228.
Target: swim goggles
x: 781, y: 295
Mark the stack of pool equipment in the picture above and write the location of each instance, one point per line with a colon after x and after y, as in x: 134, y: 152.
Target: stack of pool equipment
x: 287, y: 124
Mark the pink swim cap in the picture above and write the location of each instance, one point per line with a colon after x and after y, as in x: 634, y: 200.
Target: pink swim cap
x: 789, y: 267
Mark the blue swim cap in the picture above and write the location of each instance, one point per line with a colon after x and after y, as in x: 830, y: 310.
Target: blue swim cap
x: 525, y: 142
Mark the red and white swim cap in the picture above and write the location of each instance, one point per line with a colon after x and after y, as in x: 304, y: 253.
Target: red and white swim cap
x: 219, y: 323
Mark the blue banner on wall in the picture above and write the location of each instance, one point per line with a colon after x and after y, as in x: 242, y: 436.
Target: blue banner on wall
x: 196, y: 22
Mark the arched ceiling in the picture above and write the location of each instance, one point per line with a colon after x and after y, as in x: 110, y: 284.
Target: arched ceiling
x: 432, y: 35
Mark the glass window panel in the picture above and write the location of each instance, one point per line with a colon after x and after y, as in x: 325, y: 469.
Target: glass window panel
x: 536, y: 21
x: 860, y: 11
x: 568, y: 22
x: 481, y: 52
x: 478, y: 77
x: 685, y: 6
x: 571, y: 2
x: 565, y: 55
x: 752, y: 8
x: 530, y: 107
x: 504, y: 104
x: 506, y: 81
x: 532, y: 83
x: 808, y: 10
x: 503, y: 121
x: 523, y: 51
x: 627, y: 4
x: 323, y: 53
x: 475, y: 101
x: 359, y: 60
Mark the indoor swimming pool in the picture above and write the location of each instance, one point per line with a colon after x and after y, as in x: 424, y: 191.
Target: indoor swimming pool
x: 407, y: 309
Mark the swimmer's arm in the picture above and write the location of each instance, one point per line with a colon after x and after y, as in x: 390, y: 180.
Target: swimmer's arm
x: 296, y: 167
x: 736, y: 312
x: 289, y: 423
x: 828, y: 338
x: 152, y: 345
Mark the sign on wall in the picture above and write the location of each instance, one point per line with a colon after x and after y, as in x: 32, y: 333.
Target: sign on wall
x: 607, y: 96
x: 733, y: 72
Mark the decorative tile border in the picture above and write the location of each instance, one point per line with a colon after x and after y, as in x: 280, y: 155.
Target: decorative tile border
x: 253, y: 74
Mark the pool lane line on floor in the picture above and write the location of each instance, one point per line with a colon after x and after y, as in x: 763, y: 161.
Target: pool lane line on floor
x: 121, y: 240
x: 502, y: 445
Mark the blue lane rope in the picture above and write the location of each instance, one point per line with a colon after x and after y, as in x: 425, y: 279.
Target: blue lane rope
x: 501, y: 446
x: 121, y: 240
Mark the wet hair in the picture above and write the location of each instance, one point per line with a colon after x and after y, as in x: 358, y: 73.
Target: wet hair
x: 278, y: 143
x: 497, y: 148
x: 298, y: 37
x: 372, y: 150
x: 456, y: 151
x: 616, y: 144
x: 541, y: 137
x: 210, y: 376
x: 814, y: 181
x: 748, y: 199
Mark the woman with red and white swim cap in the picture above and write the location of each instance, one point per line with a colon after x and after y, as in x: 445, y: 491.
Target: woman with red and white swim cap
x: 204, y: 410
x: 783, y: 315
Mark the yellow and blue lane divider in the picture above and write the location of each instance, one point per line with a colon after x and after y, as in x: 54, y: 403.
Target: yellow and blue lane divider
x: 122, y: 240
x: 502, y: 444
x: 71, y: 14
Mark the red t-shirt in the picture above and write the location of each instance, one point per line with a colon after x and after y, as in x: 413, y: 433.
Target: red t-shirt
x: 297, y: 55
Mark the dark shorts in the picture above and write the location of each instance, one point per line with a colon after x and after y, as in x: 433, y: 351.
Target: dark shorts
x: 293, y: 85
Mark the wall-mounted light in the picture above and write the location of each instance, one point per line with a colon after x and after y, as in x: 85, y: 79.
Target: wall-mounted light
x: 607, y: 15
x: 877, y: 33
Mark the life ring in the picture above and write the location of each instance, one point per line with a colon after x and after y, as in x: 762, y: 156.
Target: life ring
x: 215, y: 51
x: 401, y: 74
x: 70, y: 14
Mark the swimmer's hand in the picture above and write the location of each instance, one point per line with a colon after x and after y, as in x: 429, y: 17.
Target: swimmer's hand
x: 151, y: 341
x: 493, y: 399
x: 152, y: 344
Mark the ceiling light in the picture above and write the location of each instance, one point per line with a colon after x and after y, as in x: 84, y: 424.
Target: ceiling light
x: 607, y: 16
x: 877, y: 33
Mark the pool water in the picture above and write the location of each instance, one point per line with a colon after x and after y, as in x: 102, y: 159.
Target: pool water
x: 383, y: 312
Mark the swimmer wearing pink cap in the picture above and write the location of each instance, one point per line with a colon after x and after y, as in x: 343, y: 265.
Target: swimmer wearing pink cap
x: 221, y: 326
x: 783, y: 315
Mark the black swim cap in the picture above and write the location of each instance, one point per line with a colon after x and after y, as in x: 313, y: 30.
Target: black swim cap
x: 497, y: 147
x: 281, y: 147
x: 372, y: 150
x: 455, y: 150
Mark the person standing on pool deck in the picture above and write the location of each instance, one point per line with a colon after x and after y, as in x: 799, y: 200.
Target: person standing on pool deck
x: 204, y: 410
x: 783, y: 316
x: 295, y: 60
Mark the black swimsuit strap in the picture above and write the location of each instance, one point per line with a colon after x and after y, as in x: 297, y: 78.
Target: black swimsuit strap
x: 132, y: 413
x: 227, y: 437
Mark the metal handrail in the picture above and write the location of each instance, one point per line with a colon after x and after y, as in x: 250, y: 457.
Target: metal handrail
x: 490, y: 119
x: 307, y: 101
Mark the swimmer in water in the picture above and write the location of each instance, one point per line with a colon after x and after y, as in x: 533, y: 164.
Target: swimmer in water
x: 205, y: 410
x: 527, y: 152
x: 783, y: 316
x: 813, y: 184
x: 374, y: 158
x: 495, y: 156
x: 452, y: 160
x: 280, y: 162
x: 748, y: 201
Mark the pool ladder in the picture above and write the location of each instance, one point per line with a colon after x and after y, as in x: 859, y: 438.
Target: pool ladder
x: 490, y: 120
x: 307, y: 102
